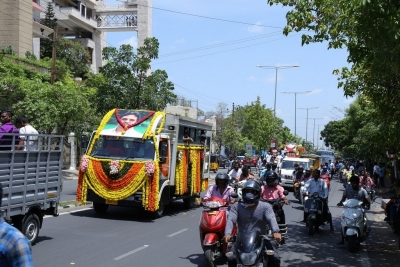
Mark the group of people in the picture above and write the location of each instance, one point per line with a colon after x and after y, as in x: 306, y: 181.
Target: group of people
x: 250, y: 214
x: 23, y: 141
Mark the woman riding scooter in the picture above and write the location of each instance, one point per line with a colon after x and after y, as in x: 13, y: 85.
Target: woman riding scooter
x: 221, y: 188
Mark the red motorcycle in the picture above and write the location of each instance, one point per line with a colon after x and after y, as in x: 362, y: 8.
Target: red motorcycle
x: 212, y: 228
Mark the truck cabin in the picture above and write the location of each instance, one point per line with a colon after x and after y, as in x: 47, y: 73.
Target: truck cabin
x: 192, y: 135
x: 123, y: 147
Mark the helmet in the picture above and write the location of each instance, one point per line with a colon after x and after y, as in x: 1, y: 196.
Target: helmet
x: 251, y: 192
x: 301, y: 168
x: 352, y: 168
x: 222, y: 176
x: 308, y: 170
x: 271, y: 178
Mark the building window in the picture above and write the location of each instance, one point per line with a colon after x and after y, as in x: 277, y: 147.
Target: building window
x: 83, y: 10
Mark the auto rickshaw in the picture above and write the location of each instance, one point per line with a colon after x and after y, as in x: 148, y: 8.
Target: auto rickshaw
x: 214, y: 162
x: 315, y: 160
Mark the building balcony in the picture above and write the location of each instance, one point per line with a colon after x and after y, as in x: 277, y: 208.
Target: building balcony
x: 71, y: 17
x: 39, y: 30
x: 85, y: 42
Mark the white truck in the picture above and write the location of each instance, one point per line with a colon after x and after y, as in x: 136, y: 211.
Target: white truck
x: 31, y: 181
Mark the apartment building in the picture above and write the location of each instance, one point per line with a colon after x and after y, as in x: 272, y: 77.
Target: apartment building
x: 20, y: 25
x: 84, y: 21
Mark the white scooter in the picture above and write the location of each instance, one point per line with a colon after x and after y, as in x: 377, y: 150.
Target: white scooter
x: 303, y: 193
x: 354, y: 224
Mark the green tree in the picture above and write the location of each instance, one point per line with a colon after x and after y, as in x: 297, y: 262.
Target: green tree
x: 46, y: 44
x: 74, y: 55
x: 125, y: 80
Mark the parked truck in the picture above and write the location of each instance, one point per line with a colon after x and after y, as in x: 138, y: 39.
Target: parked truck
x: 31, y: 181
x: 147, y: 159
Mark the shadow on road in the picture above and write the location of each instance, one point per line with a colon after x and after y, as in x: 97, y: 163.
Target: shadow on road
x: 133, y: 214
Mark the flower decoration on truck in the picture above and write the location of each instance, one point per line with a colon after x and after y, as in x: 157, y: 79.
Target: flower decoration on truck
x: 114, y: 167
x: 84, y: 163
x: 150, y: 168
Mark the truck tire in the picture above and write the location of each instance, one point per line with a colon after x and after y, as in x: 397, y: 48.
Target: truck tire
x: 31, y: 227
x: 100, y: 208
x: 160, y: 211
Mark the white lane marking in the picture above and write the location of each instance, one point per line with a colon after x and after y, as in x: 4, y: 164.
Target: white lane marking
x: 130, y: 253
x: 67, y: 212
x: 177, y: 233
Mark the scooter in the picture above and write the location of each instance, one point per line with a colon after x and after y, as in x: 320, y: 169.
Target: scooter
x: 370, y: 191
x: 237, y: 187
x: 314, y: 211
x: 251, y: 249
x: 212, y: 229
x: 354, y: 224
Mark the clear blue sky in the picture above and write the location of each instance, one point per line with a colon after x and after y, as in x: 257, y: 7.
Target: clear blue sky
x: 228, y: 73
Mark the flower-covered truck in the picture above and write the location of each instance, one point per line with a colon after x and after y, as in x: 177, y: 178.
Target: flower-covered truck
x: 142, y: 158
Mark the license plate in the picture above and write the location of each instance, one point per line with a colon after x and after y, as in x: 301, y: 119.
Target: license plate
x: 111, y: 202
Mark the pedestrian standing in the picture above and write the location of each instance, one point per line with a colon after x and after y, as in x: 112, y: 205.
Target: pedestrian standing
x: 15, y: 249
x: 382, y: 174
x: 7, y: 127
x: 376, y: 173
x: 27, y: 142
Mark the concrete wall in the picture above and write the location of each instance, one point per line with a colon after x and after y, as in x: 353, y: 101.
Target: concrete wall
x: 16, y: 18
x: 182, y: 111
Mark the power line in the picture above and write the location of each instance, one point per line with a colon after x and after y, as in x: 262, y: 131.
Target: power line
x: 218, y: 45
x: 206, y: 17
x: 224, y: 50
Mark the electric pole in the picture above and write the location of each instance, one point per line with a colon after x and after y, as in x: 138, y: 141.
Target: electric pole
x: 53, y: 58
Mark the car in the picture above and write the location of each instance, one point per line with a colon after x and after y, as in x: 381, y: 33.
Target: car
x: 223, y: 161
x: 287, y: 168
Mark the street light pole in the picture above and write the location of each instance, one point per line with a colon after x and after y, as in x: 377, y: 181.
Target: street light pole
x: 276, y: 77
x: 314, y: 129
x: 295, y: 107
x: 307, y: 121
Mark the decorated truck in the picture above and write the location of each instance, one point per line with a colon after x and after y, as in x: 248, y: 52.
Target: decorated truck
x: 142, y: 158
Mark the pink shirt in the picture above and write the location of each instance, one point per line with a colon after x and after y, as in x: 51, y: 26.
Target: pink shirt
x: 275, y: 192
x: 213, y: 191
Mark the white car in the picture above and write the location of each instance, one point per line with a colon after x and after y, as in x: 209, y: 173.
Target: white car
x: 287, y: 168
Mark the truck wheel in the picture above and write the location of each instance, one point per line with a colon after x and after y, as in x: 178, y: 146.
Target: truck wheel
x: 160, y: 211
x: 189, y: 203
x: 31, y: 227
x: 100, y: 208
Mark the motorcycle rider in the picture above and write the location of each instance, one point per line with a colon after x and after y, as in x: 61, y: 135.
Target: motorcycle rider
x: 246, y: 175
x: 252, y: 215
x: 221, y: 189
x: 318, y: 185
x: 236, y: 171
x: 325, y: 171
x: 272, y: 190
x: 298, y: 178
x: 267, y: 169
x: 355, y: 191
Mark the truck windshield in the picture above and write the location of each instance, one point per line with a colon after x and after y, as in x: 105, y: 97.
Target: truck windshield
x: 289, y: 165
x: 123, y: 147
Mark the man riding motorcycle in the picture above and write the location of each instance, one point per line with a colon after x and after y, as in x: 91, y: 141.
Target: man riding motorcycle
x: 298, y: 177
x: 252, y: 215
x: 325, y: 172
x: 235, y: 172
x: 355, y: 191
x: 221, y: 188
x: 319, y: 185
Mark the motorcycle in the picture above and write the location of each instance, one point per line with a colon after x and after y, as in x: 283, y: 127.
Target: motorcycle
x: 212, y: 229
x: 252, y: 250
x: 370, y: 191
x: 354, y: 224
x: 237, y: 187
x: 314, y: 210
x: 277, y: 206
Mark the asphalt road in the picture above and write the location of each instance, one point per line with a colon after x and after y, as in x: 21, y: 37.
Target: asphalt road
x: 128, y: 237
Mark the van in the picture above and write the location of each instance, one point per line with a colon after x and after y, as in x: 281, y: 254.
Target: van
x: 287, y: 168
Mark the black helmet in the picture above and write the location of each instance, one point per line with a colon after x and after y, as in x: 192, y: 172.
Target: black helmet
x: 222, y: 176
x: 271, y: 178
x: 308, y: 170
x: 301, y: 168
x: 251, y: 192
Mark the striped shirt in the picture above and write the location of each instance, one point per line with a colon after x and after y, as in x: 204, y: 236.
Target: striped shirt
x: 15, y: 249
x: 250, y: 220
